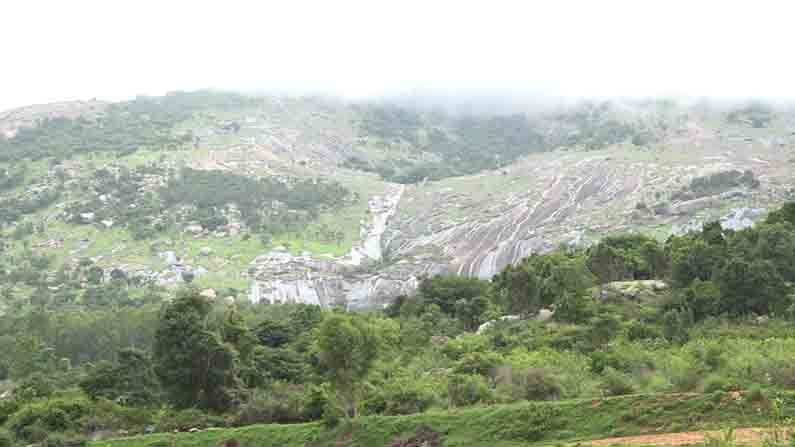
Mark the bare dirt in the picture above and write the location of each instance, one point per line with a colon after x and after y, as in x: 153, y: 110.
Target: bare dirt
x: 741, y: 436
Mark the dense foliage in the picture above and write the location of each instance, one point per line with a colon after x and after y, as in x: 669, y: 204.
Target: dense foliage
x: 149, y: 199
x: 708, y: 311
x: 145, y: 122
x: 434, y: 145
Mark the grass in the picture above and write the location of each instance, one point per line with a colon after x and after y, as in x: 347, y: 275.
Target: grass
x: 521, y: 424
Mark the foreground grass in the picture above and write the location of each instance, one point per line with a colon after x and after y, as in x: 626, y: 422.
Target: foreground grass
x: 505, y: 425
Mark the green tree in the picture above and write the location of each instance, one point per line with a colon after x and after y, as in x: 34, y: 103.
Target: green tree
x: 751, y: 286
x: 518, y: 289
x: 347, y: 347
x: 132, y: 381
x: 195, y: 366
x: 445, y: 291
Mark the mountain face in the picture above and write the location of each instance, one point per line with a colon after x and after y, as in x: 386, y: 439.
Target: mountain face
x: 282, y: 199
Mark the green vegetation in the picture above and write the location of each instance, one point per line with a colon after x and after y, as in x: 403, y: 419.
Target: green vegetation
x: 724, y: 325
x: 506, y: 425
x: 207, y: 198
x: 436, y: 145
x: 146, y: 122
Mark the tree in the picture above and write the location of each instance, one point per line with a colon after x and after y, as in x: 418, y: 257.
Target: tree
x: 751, y: 286
x: 785, y: 214
x: 445, y: 291
x: 472, y: 312
x: 518, y: 289
x: 274, y: 333
x: 702, y: 298
x: 347, y: 348
x: 195, y: 366
x: 132, y: 381
x: 693, y: 259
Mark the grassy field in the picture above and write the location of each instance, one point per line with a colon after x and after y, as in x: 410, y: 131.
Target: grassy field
x: 524, y: 424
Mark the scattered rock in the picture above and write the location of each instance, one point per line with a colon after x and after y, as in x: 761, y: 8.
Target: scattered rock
x: 545, y: 314
x: 194, y: 229
x: 440, y: 340
x: 423, y: 437
x: 485, y: 326
x: 208, y: 293
x: 169, y: 257
x: 87, y: 217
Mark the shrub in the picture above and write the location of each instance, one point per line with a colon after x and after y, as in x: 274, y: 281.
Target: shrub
x: 6, y: 440
x: 332, y: 415
x: 716, y: 382
x: 64, y: 441
x: 641, y: 331
x: 280, y: 403
x: 482, y: 363
x: 616, y: 383
x: 683, y: 372
x: 424, y: 436
x: 467, y: 389
x: 52, y: 416
x: 528, y: 423
x: 108, y: 415
x: 7, y: 408
x: 537, y: 384
x: 403, y: 395
x: 755, y: 394
x: 183, y: 420
x: 783, y: 376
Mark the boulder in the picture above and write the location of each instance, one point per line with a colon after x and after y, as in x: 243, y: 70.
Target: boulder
x: 485, y: 326
x: 205, y: 251
x: 169, y: 257
x: 545, y: 314
x: 209, y: 293
x: 194, y: 229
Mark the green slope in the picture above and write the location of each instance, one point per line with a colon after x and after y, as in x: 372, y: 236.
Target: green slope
x: 507, y: 425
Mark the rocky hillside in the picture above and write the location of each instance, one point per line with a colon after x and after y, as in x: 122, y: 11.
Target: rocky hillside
x: 314, y: 200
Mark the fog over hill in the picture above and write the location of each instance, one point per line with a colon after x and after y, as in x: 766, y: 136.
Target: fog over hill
x: 339, y: 202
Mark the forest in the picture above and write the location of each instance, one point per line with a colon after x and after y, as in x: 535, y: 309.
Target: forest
x: 443, y: 144
x: 85, y: 352
x: 122, y: 128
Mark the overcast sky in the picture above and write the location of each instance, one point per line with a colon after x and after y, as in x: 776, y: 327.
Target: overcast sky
x: 58, y: 50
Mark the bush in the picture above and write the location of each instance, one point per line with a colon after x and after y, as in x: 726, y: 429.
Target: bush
x: 537, y: 384
x: 755, y: 394
x: 64, y: 441
x: 281, y: 403
x: 640, y: 331
x: 332, y: 415
x: 7, y: 408
x: 528, y: 423
x: 482, y: 363
x: 6, y: 440
x: 783, y: 376
x: 467, y: 389
x: 717, y: 382
x: 42, y: 418
x: 401, y: 396
x: 108, y: 415
x: 183, y: 420
x: 616, y: 383
x: 683, y: 371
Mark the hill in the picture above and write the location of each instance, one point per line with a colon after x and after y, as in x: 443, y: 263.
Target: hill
x: 570, y: 422
x: 319, y: 201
